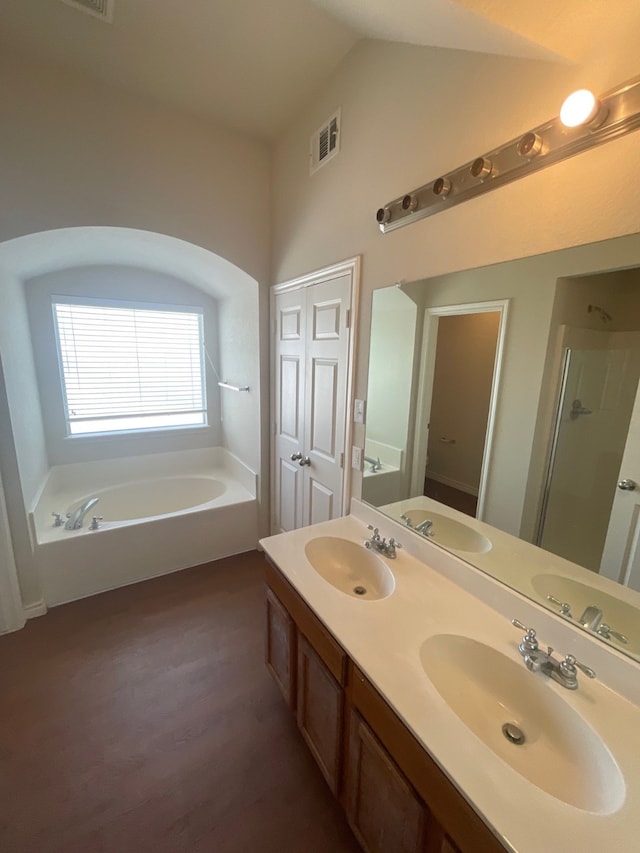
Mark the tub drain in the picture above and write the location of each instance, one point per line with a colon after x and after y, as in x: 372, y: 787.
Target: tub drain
x: 513, y: 734
x: 360, y: 590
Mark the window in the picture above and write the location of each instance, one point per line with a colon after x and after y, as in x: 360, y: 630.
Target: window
x: 129, y: 366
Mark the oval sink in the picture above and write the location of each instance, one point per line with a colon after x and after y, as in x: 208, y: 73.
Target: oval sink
x: 449, y: 532
x: 350, y: 568
x: 561, y: 754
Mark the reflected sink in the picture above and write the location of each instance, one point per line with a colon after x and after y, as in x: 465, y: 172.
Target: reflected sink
x: 350, y: 568
x: 451, y: 533
x: 618, y: 614
x: 561, y: 754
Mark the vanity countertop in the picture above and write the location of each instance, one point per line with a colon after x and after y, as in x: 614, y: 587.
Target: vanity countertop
x: 384, y: 637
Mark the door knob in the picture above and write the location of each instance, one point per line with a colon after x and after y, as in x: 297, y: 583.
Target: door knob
x: 295, y: 456
x: 627, y: 485
x: 304, y: 461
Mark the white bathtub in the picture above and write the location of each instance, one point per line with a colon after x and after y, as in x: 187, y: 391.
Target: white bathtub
x: 161, y: 513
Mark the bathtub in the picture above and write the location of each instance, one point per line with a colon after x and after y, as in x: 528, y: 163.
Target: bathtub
x: 161, y: 513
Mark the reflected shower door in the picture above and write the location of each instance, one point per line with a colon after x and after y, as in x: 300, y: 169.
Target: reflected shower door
x: 597, y: 395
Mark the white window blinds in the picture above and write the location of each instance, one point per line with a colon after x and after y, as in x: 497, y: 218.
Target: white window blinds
x: 126, y: 367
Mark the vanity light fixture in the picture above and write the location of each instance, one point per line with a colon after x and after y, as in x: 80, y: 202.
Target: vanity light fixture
x: 584, y: 122
x: 441, y: 187
x: 582, y: 108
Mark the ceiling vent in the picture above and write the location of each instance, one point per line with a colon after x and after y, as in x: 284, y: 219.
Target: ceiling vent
x: 325, y: 143
x: 102, y: 9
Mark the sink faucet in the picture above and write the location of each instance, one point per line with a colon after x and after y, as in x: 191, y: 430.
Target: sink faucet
x: 425, y: 527
x: 75, y: 518
x: 379, y: 544
x: 565, y: 672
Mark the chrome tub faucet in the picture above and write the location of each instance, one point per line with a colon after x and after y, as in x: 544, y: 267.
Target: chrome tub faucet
x: 75, y: 518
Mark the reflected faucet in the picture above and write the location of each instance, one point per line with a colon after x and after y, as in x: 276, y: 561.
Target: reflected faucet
x: 425, y: 527
x: 376, y: 464
x: 75, y: 518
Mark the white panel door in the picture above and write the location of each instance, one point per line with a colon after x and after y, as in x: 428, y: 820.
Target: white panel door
x: 311, y: 369
x: 289, y: 380
x: 325, y: 397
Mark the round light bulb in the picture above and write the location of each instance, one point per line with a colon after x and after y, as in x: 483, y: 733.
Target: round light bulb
x: 580, y: 107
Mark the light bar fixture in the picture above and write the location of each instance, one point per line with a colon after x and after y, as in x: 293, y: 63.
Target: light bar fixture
x: 584, y: 122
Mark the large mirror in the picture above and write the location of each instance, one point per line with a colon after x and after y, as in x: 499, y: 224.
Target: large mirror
x: 503, y: 423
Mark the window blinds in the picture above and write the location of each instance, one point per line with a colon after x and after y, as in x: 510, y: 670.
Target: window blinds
x: 128, y: 367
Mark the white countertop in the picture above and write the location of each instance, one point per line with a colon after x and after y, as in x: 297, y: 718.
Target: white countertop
x: 384, y: 638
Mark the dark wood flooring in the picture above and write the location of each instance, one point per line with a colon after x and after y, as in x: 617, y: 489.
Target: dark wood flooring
x: 450, y: 496
x: 144, y: 719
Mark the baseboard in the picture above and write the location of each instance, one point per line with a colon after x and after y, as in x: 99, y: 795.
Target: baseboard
x: 455, y: 484
x: 38, y: 608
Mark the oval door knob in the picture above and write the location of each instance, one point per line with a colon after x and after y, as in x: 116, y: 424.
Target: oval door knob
x: 627, y: 485
x: 304, y: 461
x: 295, y: 456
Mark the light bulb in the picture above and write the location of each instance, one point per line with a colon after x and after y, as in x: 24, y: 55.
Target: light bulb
x: 581, y: 107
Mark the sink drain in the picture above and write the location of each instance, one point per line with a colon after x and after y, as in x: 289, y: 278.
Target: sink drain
x: 513, y: 734
x: 360, y: 590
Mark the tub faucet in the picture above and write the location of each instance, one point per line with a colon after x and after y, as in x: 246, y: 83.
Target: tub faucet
x: 75, y: 518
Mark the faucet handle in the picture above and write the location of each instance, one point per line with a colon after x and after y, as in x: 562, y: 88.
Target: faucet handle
x: 607, y: 632
x: 376, y: 532
x: 529, y: 642
x: 569, y: 665
x: 394, y: 544
x: 59, y: 519
x: 565, y: 607
x: 95, y: 522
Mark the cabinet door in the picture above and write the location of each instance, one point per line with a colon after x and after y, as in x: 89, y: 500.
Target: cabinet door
x: 383, y: 810
x: 281, y: 648
x: 320, y: 712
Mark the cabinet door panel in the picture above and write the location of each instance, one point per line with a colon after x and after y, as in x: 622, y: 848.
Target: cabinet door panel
x: 320, y: 712
x: 382, y: 808
x: 281, y: 648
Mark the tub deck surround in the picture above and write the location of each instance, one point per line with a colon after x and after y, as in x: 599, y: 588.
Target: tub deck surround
x: 384, y: 638
x: 162, y: 512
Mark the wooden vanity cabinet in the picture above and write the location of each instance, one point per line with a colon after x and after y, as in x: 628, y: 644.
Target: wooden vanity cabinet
x: 396, y: 798
x: 382, y: 808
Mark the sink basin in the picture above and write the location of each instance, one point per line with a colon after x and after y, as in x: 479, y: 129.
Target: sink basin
x: 618, y: 614
x: 451, y: 533
x: 350, y: 568
x: 561, y: 753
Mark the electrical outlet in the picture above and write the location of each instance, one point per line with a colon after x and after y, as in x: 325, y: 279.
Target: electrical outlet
x: 356, y: 458
x: 358, y: 411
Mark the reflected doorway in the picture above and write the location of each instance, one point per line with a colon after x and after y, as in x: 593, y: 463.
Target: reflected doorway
x: 461, y: 364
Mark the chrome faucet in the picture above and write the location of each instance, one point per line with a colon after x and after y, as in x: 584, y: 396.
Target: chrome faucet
x: 380, y: 544
x: 565, y: 672
x: 75, y: 518
x: 376, y: 464
x: 425, y: 527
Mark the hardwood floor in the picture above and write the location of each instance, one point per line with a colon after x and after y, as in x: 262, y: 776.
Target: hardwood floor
x: 144, y: 719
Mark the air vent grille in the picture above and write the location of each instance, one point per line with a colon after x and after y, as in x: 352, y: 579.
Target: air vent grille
x: 325, y: 142
x: 102, y: 9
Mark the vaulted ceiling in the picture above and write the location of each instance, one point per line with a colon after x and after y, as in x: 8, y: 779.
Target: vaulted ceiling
x: 253, y: 64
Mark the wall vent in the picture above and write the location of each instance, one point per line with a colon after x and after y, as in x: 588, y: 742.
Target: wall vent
x: 102, y: 9
x: 325, y: 142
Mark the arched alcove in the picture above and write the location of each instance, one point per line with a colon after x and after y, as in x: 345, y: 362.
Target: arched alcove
x: 31, y: 257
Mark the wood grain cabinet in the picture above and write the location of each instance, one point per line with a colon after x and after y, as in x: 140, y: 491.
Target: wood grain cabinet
x: 383, y: 810
x: 396, y: 798
x: 281, y: 647
x: 320, y: 712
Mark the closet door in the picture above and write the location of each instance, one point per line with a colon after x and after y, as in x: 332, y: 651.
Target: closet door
x: 327, y: 352
x: 289, y: 410
x: 311, y: 369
